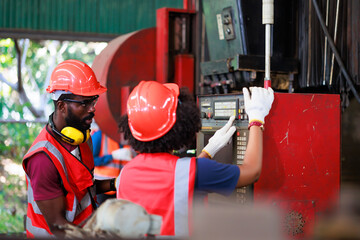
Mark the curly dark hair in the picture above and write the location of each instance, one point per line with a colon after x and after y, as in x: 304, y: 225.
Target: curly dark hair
x: 182, y: 134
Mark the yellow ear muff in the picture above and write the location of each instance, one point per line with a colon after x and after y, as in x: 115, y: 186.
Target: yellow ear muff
x: 74, y: 134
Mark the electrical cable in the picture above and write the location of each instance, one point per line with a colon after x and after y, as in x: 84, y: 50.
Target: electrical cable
x: 336, y: 53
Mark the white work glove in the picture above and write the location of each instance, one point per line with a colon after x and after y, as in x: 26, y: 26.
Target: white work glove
x: 259, y: 104
x: 122, y: 154
x: 220, y: 138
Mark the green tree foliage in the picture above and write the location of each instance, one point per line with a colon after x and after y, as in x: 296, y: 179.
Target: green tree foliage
x: 6, y: 60
x: 17, y: 138
x: 7, y: 53
x: 12, y: 204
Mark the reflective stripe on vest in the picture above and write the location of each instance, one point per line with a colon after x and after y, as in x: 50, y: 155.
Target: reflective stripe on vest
x: 69, y: 214
x: 35, y: 231
x: 107, y: 145
x: 110, y: 170
x: 104, y: 148
x: 181, y: 203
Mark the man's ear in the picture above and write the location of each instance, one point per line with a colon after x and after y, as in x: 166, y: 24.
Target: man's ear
x: 61, y: 106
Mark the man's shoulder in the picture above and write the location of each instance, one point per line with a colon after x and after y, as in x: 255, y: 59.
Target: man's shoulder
x: 39, y: 158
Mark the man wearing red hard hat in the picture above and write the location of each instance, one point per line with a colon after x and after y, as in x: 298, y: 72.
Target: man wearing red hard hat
x: 161, y: 118
x: 59, y: 165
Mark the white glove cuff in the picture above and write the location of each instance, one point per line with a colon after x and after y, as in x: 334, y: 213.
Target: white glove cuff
x: 256, y: 116
x: 211, y: 149
x: 207, y: 152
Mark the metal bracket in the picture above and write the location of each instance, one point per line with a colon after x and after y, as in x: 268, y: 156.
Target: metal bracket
x: 227, y: 22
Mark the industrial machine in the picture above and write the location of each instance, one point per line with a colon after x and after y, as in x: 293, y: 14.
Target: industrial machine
x: 301, y: 161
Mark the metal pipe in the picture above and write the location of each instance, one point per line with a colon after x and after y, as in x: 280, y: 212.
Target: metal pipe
x: 335, y: 36
x: 336, y: 53
x: 325, y: 44
x: 267, y: 78
x: 267, y: 19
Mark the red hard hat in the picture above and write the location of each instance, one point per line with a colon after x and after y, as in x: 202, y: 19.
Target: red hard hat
x: 151, y: 109
x: 76, y: 77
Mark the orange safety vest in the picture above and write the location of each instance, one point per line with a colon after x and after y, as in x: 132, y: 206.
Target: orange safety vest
x: 164, y: 185
x: 77, y: 179
x: 112, y: 169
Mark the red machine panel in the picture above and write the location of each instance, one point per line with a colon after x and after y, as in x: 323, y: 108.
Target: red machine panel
x: 184, y: 71
x: 301, y: 164
x: 174, y: 61
x: 126, y: 61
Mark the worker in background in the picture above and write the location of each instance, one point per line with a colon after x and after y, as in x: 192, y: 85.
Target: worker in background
x: 59, y: 165
x: 161, y: 118
x: 109, y: 159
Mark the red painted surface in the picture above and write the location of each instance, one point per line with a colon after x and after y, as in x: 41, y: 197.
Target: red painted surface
x: 126, y: 61
x: 301, y: 163
x: 162, y: 42
x: 189, y: 4
x: 125, y: 92
x: 267, y: 84
x: 184, y: 71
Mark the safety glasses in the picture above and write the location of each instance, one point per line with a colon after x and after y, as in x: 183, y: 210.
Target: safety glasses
x: 85, y: 103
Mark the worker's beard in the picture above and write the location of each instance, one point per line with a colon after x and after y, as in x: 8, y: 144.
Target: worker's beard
x: 73, y: 121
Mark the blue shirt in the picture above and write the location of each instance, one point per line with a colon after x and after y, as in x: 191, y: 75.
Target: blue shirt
x: 216, y: 177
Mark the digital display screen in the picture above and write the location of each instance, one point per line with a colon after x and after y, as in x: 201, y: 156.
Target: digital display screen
x: 225, y: 105
x: 224, y: 109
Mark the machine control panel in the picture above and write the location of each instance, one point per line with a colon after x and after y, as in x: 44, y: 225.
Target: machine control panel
x: 215, y: 113
x: 221, y: 107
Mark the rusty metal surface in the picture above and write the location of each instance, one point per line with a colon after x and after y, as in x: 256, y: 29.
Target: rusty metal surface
x: 126, y: 61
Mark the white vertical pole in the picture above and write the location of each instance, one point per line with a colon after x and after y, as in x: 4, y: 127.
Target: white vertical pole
x: 267, y: 19
x: 267, y: 51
